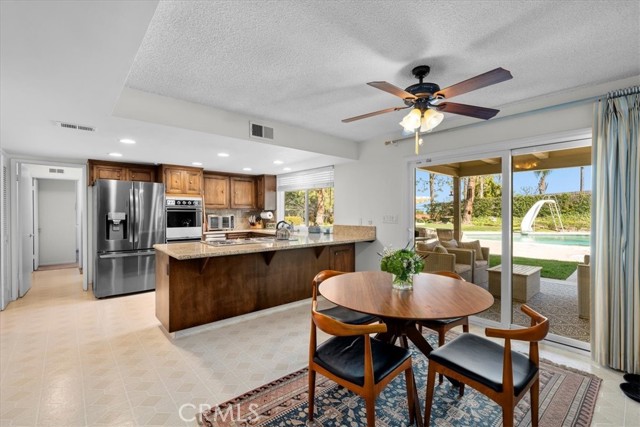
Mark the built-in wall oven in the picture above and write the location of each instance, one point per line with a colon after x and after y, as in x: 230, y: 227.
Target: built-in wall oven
x: 184, y: 219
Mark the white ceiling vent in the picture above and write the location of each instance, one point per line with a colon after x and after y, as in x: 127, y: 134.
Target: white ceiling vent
x: 54, y: 170
x: 260, y: 131
x: 74, y: 126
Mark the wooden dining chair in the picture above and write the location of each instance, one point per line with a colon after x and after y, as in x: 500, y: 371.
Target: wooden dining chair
x: 342, y: 314
x: 357, y: 361
x: 442, y: 326
x: 496, y: 371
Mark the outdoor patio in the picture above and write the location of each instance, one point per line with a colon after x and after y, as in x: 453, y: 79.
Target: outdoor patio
x: 558, y: 300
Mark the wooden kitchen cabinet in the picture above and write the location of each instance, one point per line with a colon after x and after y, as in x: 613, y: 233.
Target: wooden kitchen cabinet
x: 242, y: 190
x: 100, y: 169
x: 342, y: 257
x: 216, y: 191
x: 142, y: 174
x: 182, y: 180
x: 266, y: 192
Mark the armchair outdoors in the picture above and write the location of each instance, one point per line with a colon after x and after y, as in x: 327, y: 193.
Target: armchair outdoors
x: 460, y: 262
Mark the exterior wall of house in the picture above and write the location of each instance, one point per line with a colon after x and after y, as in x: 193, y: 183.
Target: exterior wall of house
x: 377, y: 185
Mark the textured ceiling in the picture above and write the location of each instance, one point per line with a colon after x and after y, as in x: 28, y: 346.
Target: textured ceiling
x: 297, y: 62
x: 306, y: 63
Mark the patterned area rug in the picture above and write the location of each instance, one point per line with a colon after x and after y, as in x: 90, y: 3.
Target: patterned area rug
x: 567, y: 398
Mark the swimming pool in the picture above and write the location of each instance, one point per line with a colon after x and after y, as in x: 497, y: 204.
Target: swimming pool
x: 562, y: 239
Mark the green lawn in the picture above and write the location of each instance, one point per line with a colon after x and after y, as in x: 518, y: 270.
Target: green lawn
x: 551, y: 269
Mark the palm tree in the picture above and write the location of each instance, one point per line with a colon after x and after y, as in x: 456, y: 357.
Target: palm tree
x: 542, y: 177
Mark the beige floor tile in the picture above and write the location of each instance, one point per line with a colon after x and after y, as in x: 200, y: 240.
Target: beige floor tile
x: 68, y: 359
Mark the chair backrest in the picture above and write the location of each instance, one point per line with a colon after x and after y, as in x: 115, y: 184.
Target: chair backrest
x: 536, y: 332
x: 337, y: 328
x: 449, y: 274
x: 444, y: 233
x: 321, y: 277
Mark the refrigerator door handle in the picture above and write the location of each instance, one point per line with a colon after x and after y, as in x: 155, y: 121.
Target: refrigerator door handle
x: 126, y: 254
x: 137, y: 213
x: 131, y: 219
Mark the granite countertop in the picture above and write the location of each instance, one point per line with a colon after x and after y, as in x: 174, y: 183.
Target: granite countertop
x: 341, y: 234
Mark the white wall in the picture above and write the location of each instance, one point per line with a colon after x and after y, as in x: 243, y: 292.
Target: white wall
x: 57, y: 218
x: 5, y: 264
x: 379, y: 183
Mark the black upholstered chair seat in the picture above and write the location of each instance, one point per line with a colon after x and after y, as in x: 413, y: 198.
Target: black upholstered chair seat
x: 348, y: 316
x: 482, y: 360
x: 344, y: 357
x: 439, y: 321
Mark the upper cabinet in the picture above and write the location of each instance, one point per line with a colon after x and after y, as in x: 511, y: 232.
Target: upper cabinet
x: 99, y: 169
x: 242, y: 192
x: 182, y: 180
x: 266, y: 192
x: 216, y: 191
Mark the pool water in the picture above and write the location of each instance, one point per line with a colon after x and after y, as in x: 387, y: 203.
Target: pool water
x: 562, y: 239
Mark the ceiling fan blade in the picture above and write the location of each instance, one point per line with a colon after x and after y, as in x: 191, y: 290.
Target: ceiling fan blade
x: 375, y: 113
x: 467, y: 110
x: 487, y: 79
x: 393, y: 90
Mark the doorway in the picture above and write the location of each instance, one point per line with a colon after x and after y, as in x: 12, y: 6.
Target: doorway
x: 56, y: 231
x: 24, y: 208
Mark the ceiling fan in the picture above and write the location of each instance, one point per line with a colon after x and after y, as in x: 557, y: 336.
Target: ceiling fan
x: 426, y: 100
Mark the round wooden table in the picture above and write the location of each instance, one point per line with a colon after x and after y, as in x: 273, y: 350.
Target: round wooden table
x: 432, y: 297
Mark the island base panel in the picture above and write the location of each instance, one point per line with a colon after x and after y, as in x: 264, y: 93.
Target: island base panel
x: 199, y: 291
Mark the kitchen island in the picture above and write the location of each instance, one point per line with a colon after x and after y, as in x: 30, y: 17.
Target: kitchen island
x: 199, y: 283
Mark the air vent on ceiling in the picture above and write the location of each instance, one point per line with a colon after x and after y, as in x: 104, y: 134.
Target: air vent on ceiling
x: 260, y: 131
x: 53, y: 170
x: 74, y: 126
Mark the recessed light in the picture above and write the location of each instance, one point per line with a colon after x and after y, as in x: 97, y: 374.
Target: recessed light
x: 223, y: 154
x: 246, y: 169
x: 286, y: 169
x: 127, y: 141
x: 278, y: 162
x: 196, y: 163
x: 115, y: 154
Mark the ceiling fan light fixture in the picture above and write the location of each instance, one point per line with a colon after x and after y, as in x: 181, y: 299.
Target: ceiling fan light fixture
x: 411, y: 121
x: 430, y: 120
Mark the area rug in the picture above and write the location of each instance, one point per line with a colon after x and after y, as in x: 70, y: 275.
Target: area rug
x: 567, y: 398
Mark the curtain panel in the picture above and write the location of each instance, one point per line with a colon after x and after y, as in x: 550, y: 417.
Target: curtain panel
x: 615, y: 247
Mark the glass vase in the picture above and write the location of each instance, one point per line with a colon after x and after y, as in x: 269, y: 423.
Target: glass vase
x: 403, y: 282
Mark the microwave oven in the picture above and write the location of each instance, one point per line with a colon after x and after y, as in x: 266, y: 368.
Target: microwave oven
x: 220, y: 222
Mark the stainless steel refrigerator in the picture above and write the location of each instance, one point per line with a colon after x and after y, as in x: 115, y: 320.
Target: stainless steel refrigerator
x: 128, y: 220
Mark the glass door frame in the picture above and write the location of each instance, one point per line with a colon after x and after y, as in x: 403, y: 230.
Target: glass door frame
x: 557, y: 146
x: 505, y: 158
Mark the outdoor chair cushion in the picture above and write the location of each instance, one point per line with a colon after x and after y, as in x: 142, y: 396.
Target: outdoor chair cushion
x: 422, y: 246
x: 440, y: 249
x: 475, y: 245
x: 453, y: 243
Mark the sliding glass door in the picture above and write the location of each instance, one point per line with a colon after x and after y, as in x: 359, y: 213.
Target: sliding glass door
x: 551, y: 237
x: 528, y: 211
x: 458, y: 205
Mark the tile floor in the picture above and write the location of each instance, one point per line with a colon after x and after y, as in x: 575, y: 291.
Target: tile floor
x: 67, y: 359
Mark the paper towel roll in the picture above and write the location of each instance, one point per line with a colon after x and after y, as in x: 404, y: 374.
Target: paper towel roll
x: 266, y: 215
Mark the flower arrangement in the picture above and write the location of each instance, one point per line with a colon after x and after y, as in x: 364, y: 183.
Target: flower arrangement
x: 402, y: 263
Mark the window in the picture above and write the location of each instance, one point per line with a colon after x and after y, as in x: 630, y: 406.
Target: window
x: 308, y: 197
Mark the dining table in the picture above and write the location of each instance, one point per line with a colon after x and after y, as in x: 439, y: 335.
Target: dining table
x: 432, y: 297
